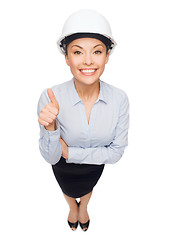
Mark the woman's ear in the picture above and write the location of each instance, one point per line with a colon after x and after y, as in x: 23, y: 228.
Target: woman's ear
x: 67, y: 60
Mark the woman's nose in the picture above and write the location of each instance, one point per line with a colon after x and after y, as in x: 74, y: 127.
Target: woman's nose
x: 88, y: 60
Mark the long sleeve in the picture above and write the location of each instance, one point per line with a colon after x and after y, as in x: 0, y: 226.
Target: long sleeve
x: 106, y: 154
x: 49, y: 144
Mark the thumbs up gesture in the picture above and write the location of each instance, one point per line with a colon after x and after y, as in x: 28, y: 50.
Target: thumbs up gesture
x: 48, y: 114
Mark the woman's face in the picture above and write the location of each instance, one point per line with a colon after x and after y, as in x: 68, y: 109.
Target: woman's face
x: 87, y: 58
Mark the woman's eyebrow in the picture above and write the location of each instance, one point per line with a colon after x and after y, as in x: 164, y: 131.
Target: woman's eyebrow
x: 98, y: 45
x: 76, y: 46
x: 82, y: 48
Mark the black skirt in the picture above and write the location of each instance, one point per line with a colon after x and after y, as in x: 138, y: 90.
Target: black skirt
x: 76, y: 180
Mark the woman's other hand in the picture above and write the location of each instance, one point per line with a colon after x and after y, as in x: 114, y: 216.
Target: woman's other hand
x: 64, y: 148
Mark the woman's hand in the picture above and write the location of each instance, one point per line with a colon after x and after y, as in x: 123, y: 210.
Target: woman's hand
x: 48, y: 114
x: 64, y: 148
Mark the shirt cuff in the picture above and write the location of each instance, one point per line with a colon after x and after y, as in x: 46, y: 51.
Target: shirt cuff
x: 74, y: 155
x: 50, y: 134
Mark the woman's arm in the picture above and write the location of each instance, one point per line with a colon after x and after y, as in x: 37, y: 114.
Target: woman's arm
x: 107, y: 154
x: 49, y: 144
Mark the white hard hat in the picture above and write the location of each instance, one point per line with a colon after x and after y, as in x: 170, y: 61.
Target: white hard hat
x: 86, y: 21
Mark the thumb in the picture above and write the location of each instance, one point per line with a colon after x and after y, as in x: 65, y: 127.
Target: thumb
x: 52, y: 96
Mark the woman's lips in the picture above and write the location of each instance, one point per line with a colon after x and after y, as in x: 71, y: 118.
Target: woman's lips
x: 88, y: 72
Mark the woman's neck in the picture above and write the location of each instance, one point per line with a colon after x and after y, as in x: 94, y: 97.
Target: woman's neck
x: 87, y: 92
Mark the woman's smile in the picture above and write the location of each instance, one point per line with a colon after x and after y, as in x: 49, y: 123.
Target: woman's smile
x: 88, y: 71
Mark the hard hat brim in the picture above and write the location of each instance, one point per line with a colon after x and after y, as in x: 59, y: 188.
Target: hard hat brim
x: 109, y: 42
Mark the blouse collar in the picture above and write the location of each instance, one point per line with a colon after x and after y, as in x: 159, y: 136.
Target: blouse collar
x: 75, y: 97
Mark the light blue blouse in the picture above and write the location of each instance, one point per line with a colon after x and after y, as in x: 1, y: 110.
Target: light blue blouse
x: 102, y: 141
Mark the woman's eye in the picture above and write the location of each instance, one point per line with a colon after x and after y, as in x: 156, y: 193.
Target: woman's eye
x: 97, y: 52
x: 77, y: 52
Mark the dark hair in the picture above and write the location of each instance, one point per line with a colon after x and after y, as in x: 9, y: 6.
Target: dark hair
x: 65, y: 42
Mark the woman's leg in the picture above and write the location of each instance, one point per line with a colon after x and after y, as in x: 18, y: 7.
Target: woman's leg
x: 83, y: 214
x: 73, y: 213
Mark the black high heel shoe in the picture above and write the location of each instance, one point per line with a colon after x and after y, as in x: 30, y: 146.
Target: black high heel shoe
x: 84, y: 225
x: 73, y: 225
x: 78, y: 203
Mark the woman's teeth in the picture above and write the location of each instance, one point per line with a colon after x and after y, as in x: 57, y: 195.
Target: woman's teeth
x: 88, y: 70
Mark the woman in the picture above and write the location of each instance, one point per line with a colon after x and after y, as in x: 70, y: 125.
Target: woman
x: 84, y: 121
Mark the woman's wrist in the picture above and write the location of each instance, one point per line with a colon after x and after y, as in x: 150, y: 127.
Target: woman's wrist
x: 52, y: 127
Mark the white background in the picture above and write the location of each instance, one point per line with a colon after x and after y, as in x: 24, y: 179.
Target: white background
x: 133, y: 197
